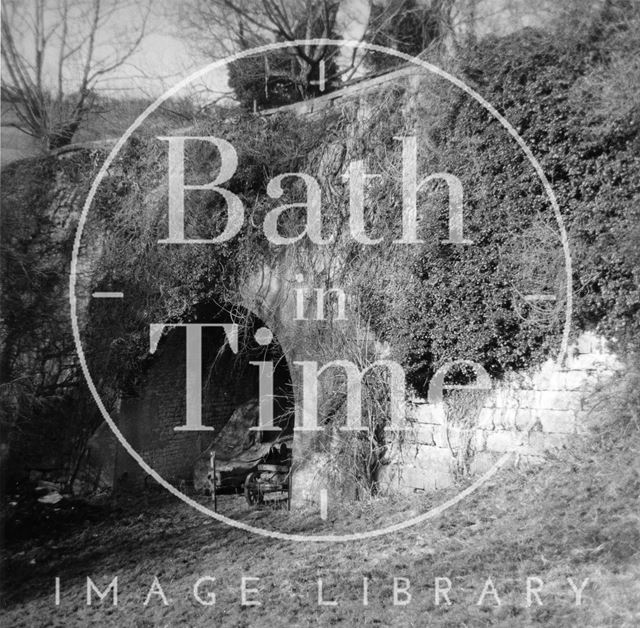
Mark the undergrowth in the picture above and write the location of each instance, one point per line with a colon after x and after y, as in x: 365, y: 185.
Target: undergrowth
x: 576, y: 516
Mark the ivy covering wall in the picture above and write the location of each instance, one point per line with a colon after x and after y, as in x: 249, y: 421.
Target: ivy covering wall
x: 574, y: 103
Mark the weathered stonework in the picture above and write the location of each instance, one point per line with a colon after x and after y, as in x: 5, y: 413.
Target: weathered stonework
x: 529, y: 414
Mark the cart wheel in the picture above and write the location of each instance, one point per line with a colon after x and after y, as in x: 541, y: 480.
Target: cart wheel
x: 252, y: 490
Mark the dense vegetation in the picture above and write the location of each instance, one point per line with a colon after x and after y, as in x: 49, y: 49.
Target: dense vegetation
x: 572, y: 99
x: 572, y: 102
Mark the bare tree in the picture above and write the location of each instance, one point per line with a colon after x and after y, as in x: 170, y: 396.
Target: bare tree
x: 55, y: 54
x: 224, y: 27
x: 408, y: 26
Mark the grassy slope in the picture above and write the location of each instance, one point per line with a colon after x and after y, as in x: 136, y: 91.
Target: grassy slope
x: 575, y: 517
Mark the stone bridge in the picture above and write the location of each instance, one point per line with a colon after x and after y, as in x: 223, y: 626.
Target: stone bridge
x: 530, y: 413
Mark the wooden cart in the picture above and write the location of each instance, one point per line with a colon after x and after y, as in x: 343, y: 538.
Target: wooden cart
x: 263, y: 472
x: 269, y: 483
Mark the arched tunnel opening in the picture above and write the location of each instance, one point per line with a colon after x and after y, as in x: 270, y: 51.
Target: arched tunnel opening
x: 153, y: 412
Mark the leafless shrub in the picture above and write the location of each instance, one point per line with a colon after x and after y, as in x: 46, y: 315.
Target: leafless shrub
x: 462, y: 409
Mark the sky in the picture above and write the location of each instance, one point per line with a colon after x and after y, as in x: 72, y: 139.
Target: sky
x: 166, y: 56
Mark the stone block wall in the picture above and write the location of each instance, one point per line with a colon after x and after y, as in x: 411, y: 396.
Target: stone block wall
x: 529, y: 414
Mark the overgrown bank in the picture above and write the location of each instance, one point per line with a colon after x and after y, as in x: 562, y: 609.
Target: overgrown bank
x: 575, y: 517
x: 569, y: 102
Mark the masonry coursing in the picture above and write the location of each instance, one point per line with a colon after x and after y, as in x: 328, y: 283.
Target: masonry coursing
x: 530, y: 414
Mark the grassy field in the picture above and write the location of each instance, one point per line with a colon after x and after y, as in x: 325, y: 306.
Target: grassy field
x: 575, y: 517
